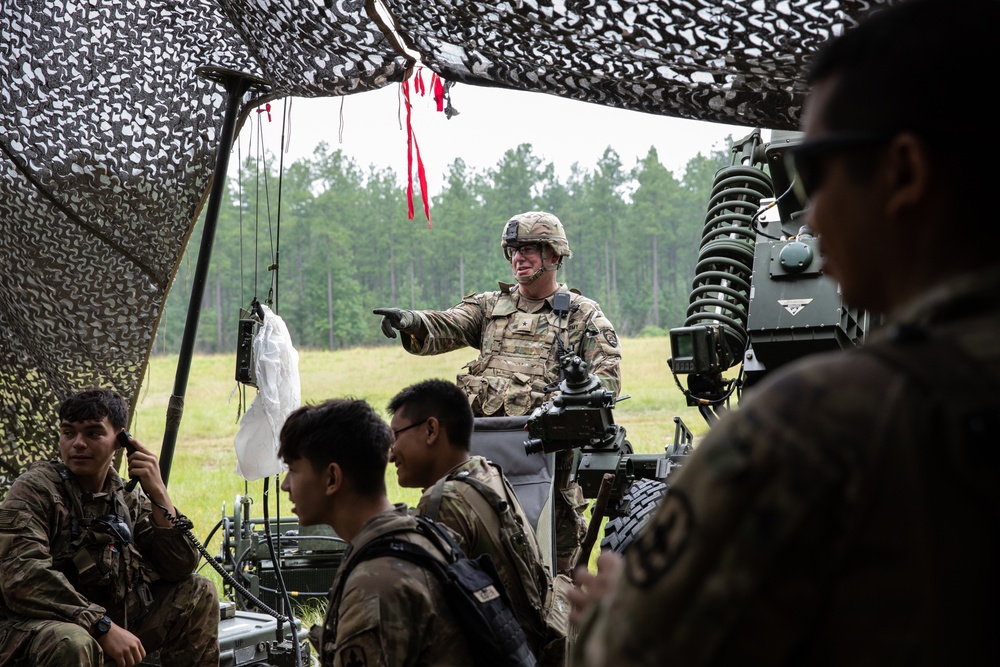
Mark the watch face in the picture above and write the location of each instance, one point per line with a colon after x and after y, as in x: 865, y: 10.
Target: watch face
x: 103, y: 625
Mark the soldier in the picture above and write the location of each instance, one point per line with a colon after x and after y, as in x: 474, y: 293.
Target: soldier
x: 432, y: 424
x: 93, y: 573
x: 520, y: 337
x: 391, y: 612
x: 848, y: 512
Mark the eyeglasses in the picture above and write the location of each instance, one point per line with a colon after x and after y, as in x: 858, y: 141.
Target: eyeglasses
x: 527, y: 250
x: 807, y: 161
x: 395, y: 434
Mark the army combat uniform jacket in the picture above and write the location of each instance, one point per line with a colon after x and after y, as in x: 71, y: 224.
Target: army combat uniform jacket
x: 478, y: 530
x: 53, y: 567
x: 519, y: 346
x: 848, y: 513
x: 392, y: 612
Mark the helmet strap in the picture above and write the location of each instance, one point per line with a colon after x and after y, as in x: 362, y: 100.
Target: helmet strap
x: 527, y: 280
x: 546, y: 248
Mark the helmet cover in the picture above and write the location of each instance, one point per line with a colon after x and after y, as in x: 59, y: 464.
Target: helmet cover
x: 535, y: 227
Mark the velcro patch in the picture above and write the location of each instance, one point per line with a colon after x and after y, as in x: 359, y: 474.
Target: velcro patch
x: 13, y: 519
x: 487, y: 594
x: 523, y: 323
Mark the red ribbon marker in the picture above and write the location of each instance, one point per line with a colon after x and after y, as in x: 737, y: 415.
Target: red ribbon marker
x: 411, y: 148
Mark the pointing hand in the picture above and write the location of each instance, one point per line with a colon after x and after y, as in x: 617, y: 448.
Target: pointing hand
x: 394, y: 318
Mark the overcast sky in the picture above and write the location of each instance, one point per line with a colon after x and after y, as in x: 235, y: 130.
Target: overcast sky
x: 370, y: 127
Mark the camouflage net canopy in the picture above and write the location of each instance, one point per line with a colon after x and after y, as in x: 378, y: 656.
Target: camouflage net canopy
x: 110, y: 138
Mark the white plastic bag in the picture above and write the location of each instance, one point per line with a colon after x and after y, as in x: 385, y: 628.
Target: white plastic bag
x: 276, y: 364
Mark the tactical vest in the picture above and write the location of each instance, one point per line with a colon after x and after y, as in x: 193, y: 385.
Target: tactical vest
x: 97, y: 552
x: 516, y: 360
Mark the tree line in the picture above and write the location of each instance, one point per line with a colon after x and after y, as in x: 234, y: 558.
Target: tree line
x: 323, y: 241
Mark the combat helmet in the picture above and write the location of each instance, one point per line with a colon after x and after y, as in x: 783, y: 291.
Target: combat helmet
x: 535, y: 227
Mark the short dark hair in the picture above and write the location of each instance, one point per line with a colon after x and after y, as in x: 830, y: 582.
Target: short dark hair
x: 345, y: 431
x: 440, y: 399
x: 921, y: 66
x: 94, y: 404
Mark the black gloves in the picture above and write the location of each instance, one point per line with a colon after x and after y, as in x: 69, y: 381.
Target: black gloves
x: 394, y: 318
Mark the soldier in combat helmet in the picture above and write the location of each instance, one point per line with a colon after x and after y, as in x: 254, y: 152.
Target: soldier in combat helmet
x: 521, y: 335
x: 94, y: 574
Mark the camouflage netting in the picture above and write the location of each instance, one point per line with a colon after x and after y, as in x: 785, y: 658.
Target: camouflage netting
x: 109, y: 138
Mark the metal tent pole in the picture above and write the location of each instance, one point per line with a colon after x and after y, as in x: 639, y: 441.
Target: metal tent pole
x: 237, y: 84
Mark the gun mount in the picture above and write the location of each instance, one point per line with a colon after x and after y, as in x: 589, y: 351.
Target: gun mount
x: 581, y: 418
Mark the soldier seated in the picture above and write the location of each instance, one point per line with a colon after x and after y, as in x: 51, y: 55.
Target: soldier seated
x: 92, y: 573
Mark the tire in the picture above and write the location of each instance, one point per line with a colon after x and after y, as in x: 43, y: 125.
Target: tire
x: 645, y: 496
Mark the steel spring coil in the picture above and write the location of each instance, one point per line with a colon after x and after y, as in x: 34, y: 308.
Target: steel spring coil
x: 720, y: 291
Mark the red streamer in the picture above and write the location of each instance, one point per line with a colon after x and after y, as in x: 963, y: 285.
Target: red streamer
x: 412, y: 147
x: 438, y: 87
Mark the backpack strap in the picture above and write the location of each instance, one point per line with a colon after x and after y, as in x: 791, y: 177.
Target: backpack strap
x: 390, y: 544
x: 534, y: 589
x: 433, y: 508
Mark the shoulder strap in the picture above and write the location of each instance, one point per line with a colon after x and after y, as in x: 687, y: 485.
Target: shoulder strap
x: 391, y: 545
x: 511, y: 529
x: 433, y: 508
x: 498, y: 503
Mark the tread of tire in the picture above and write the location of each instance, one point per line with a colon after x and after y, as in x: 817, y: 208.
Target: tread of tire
x: 645, y: 495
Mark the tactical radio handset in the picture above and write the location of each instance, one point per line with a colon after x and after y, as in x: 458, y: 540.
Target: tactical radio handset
x: 125, y: 440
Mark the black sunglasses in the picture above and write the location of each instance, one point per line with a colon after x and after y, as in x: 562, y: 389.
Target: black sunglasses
x: 807, y: 161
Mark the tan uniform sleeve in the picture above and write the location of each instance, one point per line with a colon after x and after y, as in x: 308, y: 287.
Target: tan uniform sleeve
x: 459, y: 326
x: 602, y: 351
x: 387, y: 616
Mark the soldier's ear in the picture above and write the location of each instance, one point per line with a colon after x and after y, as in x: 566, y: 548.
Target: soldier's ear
x: 433, y: 431
x: 334, y: 478
x: 908, y: 165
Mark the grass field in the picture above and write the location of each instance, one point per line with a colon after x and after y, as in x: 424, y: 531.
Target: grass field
x: 203, y: 482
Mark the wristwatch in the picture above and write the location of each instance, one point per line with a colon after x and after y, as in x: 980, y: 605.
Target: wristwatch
x: 102, y: 627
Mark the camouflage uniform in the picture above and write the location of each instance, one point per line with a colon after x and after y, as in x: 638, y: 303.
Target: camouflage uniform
x: 58, y: 577
x: 478, y: 530
x: 518, y: 358
x: 391, y: 612
x: 518, y: 351
x: 828, y: 521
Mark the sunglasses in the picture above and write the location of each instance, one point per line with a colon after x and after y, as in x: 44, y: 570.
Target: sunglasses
x: 807, y: 161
